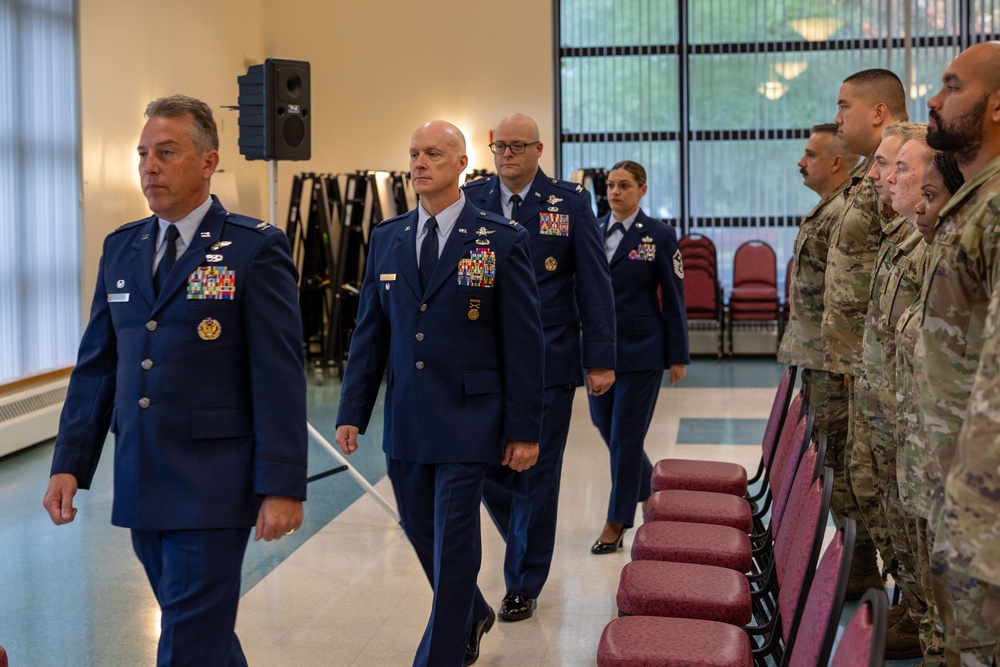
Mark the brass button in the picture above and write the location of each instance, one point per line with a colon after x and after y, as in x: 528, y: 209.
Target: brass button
x: 423, y: 307
x: 143, y: 402
x: 419, y: 365
x: 147, y: 364
x: 420, y: 336
x: 151, y: 325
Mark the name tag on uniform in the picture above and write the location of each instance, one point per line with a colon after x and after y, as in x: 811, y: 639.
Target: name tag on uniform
x: 118, y: 297
x: 387, y: 276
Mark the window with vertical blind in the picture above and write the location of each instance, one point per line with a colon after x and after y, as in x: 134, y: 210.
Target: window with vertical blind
x: 39, y: 187
x: 716, y: 97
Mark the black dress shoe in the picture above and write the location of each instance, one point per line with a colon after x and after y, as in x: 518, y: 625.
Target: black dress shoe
x: 608, y: 547
x: 516, y: 607
x: 479, y: 628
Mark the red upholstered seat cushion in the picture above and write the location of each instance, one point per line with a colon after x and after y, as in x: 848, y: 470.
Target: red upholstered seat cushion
x: 714, y: 476
x: 754, y: 294
x: 647, y: 641
x: 700, y: 507
x: 702, y: 543
x: 684, y: 590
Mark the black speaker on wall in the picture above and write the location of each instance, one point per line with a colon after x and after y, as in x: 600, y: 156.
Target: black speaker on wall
x: 275, y: 111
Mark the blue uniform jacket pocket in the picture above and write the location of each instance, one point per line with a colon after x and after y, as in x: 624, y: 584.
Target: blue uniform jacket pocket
x: 215, y: 423
x: 482, y: 382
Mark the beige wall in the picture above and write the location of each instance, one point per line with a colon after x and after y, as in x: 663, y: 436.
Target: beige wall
x: 379, y: 69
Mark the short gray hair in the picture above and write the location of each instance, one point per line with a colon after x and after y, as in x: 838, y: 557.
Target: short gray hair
x: 205, y: 134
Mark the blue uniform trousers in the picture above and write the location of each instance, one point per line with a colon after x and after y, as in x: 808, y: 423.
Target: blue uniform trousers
x: 439, y: 510
x: 195, y: 575
x: 622, y: 415
x: 524, y: 505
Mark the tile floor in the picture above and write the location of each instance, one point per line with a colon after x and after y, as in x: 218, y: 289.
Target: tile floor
x: 347, y: 589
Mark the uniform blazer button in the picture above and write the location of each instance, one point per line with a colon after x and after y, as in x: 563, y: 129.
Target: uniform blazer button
x: 419, y: 365
x: 143, y: 402
x: 151, y: 325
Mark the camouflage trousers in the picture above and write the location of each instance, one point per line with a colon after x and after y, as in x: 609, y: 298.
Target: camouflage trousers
x: 931, y: 628
x: 970, y: 610
x: 829, y: 397
x: 873, y: 476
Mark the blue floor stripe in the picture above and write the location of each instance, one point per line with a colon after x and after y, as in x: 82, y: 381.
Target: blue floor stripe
x: 693, y: 431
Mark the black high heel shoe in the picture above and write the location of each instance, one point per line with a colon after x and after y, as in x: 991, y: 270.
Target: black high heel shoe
x: 600, y: 548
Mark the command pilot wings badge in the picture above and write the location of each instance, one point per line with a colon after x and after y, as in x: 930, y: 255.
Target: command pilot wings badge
x: 219, y: 244
x: 553, y: 200
x: 482, y: 231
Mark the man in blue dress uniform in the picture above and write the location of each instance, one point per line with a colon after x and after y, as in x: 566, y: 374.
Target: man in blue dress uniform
x: 193, y: 359
x: 574, y: 285
x: 449, y: 316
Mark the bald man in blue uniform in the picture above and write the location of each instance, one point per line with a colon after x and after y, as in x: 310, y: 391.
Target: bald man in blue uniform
x: 574, y: 285
x: 449, y: 316
x: 193, y: 358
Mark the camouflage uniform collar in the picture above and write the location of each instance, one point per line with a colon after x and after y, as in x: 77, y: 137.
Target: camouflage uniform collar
x: 859, y: 173
x: 894, y: 223
x: 827, y: 199
x: 991, y: 169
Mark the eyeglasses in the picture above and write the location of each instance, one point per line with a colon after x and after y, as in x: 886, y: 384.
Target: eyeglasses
x: 517, y: 148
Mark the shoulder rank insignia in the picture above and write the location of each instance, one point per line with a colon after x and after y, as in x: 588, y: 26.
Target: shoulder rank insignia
x: 264, y: 225
x: 553, y: 200
x: 678, y: 264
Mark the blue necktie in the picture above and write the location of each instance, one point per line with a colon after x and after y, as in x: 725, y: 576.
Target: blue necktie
x: 167, y: 261
x: 428, y: 252
x: 619, y: 226
x: 515, y: 206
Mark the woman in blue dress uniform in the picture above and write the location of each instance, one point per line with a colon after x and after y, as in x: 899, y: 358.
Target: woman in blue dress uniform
x: 648, y: 280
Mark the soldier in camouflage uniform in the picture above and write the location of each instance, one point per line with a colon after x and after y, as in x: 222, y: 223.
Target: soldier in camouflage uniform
x: 961, y: 274
x: 861, y: 467
x: 941, y: 180
x: 825, y: 167
x: 868, y: 101
x: 895, y: 287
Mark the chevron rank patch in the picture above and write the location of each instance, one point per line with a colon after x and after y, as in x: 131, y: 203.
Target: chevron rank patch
x: 678, y: 264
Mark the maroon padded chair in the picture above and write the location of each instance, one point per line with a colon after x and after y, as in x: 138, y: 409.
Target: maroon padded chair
x: 687, y: 590
x: 699, y: 245
x: 822, y: 609
x: 3, y: 657
x: 703, y: 294
x: 703, y: 299
x: 863, y: 642
x: 754, y: 297
x: 716, y: 508
x: 725, y: 546
x: 650, y: 641
x: 721, y: 476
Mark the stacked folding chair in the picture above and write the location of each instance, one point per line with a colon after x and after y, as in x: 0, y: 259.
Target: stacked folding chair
x: 754, y: 297
x: 702, y: 288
